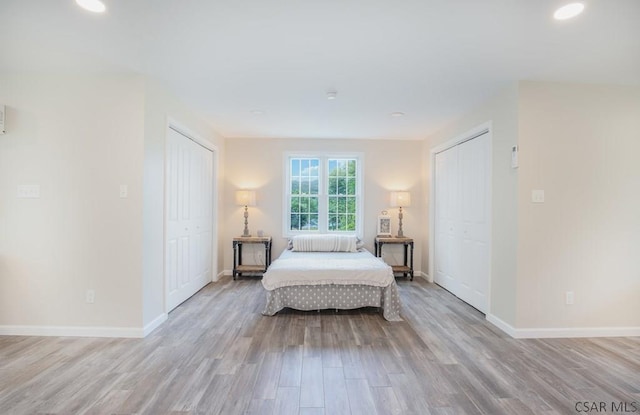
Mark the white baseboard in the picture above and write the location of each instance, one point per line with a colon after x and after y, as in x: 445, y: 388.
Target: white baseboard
x: 72, y: 331
x: 84, y: 331
x: 226, y: 272
x: 424, y: 275
x: 568, y: 332
x: 220, y: 275
x: 502, y: 325
x: 154, y: 324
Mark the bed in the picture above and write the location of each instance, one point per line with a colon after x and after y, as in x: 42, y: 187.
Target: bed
x: 320, y: 272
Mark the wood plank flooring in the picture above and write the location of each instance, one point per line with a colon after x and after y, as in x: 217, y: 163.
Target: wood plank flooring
x: 217, y: 355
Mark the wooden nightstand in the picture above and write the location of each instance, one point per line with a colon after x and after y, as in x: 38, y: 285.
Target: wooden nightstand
x: 407, y: 268
x: 238, y: 267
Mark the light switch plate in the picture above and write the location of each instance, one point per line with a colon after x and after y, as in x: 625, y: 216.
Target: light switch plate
x: 124, y: 191
x: 28, y: 191
x: 537, y: 196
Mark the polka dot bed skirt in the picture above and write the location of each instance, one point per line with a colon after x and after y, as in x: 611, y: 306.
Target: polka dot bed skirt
x: 335, y: 296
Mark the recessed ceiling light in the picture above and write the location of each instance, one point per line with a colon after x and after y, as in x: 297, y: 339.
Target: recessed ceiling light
x: 568, y: 11
x: 397, y: 114
x: 332, y: 94
x: 95, y: 6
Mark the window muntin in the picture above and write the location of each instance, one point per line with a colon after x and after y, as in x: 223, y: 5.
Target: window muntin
x: 323, y: 194
x: 342, y: 194
x: 304, y: 191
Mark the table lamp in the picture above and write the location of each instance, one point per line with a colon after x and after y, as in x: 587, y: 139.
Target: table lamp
x: 400, y: 200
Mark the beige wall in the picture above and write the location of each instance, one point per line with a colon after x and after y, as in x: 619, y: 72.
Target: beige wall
x: 580, y: 144
x: 502, y: 111
x: 258, y: 164
x: 160, y: 106
x: 79, y: 138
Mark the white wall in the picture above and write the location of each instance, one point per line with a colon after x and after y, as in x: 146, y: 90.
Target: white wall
x: 581, y: 144
x: 79, y: 138
x: 258, y: 164
x: 502, y: 111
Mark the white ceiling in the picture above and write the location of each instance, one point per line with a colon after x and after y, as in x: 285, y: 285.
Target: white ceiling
x: 431, y: 59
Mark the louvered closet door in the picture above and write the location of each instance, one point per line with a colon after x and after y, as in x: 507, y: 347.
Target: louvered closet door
x: 462, y: 212
x: 189, y: 190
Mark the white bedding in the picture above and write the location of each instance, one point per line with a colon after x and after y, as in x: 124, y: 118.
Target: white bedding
x: 320, y: 268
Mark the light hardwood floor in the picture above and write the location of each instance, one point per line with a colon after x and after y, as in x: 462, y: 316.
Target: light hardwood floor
x: 217, y: 355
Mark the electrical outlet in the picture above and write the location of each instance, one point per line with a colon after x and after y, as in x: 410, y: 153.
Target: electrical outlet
x: 569, y: 298
x: 91, y: 296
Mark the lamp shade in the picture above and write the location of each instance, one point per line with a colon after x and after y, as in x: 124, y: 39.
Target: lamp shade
x: 245, y: 197
x: 400, y: 199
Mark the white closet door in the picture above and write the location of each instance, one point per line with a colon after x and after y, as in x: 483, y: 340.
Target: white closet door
x: 474, y: 275
x: 462, y: 231
x: 189, y: 223
x: 447, y: 247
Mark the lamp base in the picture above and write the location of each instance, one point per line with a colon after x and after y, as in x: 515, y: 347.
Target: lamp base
x: 245, y: 233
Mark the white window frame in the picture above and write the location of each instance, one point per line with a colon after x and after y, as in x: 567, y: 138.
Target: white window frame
x: 323, y: 197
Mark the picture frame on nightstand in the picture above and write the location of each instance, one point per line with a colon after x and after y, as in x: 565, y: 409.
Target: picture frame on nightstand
x: 384, y: 225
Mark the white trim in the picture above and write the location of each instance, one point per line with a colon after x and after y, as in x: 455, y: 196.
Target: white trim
x: 423, y: 275
x: 226, y: 273
x: 172, y: 123
x: 185, y: 131
x: 563, y: 332
x: 469, y: 135
x: 502, y: 325
x: 466, y: 136
x: 154, y: 324
x: 72, y: 331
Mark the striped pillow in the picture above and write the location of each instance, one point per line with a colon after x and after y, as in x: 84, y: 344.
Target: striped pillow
x: 324, y: 243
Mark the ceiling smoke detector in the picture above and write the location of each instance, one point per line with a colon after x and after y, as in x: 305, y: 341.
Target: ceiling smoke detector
x: 332, y: 94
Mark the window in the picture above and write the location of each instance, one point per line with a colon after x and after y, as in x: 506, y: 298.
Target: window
x: 323, y: 194
x: 305, y: 194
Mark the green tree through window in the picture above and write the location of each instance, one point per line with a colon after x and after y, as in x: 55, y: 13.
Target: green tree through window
x: 323, y: 194
x: 342, y: 195
x: 304, y: 194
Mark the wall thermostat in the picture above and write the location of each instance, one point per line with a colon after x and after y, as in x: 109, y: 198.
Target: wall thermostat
x: 2, y: 112
x: 514, y: 157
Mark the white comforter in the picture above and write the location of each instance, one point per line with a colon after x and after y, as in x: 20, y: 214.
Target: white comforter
x: 318, y: 268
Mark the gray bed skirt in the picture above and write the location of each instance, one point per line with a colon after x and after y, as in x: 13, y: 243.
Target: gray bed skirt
x: 335, y: 296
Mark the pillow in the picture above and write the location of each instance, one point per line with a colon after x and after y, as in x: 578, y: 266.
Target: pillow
x: 324, y: 243
x: 359, y: 244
